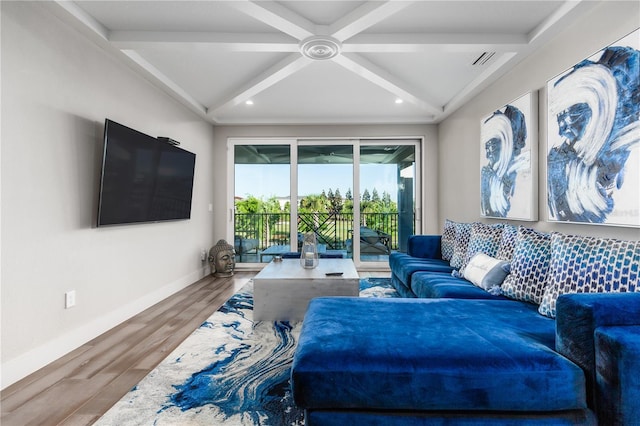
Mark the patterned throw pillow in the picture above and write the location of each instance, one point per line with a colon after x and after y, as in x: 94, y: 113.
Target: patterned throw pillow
x: 448, y: 239
x: 483, y: 239
x: 529, y: 266
x: 463, y: 232
x: 508, y: 243
x: 590, y: 265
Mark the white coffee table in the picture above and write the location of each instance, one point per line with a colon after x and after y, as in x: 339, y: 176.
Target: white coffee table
x: 282, y: 290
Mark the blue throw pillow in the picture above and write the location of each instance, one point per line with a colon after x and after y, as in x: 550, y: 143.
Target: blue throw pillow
x: 590, y: 265
x: 448, y: 239
x: 483, y: 239
x: 463, y: 232
x: 529, y: 267
x: 508, y: 242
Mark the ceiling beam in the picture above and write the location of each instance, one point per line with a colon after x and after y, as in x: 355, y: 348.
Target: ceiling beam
x: 224, y: 42
x: 365, y: 69
x: 270, y: 42
x: 87, y: 20
x: 423, y: 42
x: 283, y: 69
x: 277, y: 16
x: 364, y: 17
x: 417, y: 119
x: 553, y: 20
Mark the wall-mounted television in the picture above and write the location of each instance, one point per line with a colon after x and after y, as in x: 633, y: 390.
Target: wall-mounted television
x: 143, y: 179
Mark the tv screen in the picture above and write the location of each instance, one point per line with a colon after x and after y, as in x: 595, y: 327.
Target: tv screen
x: 143, y: 179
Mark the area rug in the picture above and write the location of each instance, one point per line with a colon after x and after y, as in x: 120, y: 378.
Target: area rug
x: 230, y: 371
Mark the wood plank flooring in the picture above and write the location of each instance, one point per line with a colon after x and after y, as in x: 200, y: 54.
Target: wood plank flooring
x: 81, y: 386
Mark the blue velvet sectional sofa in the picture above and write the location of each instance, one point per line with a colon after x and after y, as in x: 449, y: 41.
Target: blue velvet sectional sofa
x: 538, y: 345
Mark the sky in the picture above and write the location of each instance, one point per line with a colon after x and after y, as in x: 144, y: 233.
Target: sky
x: 264, y: 181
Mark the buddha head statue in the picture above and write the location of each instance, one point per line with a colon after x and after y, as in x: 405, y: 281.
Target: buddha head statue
x: 222, y: 258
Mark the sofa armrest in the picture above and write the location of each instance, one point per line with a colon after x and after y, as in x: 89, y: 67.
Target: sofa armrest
x: 425, y: 246
x: 577, y: 318
x: 618, y: 374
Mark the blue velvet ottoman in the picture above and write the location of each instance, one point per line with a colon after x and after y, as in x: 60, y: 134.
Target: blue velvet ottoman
x: 439, y: 357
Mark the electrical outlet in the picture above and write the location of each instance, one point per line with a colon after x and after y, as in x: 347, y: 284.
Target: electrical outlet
x: 69, y: 299
x: 203, y: 255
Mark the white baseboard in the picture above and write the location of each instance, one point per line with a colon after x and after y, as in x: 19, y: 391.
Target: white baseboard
x: 20, y: 367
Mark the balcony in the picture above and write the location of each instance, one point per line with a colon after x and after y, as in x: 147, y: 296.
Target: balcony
x: 260, y: 236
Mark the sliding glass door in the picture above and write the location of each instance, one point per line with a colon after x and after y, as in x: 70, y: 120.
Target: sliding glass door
x: 387, y: 198
x: 325, y: 182
x: 261, y: 202
x: 358, y: 196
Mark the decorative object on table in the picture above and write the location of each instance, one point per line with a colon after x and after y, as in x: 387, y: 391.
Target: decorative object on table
x: 593, y: 139
x: 309, y: 258
x: 508, y: 177
x: 222, y: 258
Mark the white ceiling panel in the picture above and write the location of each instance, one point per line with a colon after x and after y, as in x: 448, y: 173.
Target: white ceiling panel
x: 468, y: 17
x: 318, y: 100
x: 207, y: 73
x: 451, y: 70
x: 193, y: 16
x: 322, y: 12
x: 358, y: 56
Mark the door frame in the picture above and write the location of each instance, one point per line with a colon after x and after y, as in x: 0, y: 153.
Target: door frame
x: 294, y: 142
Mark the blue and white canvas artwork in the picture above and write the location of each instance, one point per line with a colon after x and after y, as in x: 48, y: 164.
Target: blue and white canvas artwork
x: 508, y: 161
x: 593, y: 141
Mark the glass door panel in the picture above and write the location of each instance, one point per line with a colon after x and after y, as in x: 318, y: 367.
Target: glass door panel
x: 387, y: 199
x: 261, y: 225
x: 325, y: 202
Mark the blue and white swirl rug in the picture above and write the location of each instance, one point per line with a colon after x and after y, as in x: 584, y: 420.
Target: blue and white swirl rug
x: 230, y: 371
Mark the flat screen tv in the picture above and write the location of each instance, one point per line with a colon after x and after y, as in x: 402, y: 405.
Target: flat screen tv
x: 143, y: 179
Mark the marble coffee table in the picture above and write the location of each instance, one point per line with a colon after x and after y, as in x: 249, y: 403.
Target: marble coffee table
x: 282, y: 290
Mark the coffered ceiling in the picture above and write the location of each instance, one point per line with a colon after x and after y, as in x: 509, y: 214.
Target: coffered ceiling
x: 322, y: 62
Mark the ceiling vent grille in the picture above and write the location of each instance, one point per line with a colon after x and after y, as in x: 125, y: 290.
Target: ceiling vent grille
x: 483, y: 59
x: 320, y: 48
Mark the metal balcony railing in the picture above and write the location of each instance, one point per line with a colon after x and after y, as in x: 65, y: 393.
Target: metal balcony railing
x: 332, y: 230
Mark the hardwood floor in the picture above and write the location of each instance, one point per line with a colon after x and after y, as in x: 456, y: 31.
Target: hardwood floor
x: 81, y: 386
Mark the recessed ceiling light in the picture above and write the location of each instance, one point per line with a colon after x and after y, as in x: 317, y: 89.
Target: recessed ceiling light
x: 249, y: 102
x: 399, y: 101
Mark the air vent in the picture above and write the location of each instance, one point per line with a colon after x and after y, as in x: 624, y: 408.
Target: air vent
x: 483, y: 59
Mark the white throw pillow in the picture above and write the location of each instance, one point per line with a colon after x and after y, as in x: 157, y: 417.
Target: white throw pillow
x: 485, y: 271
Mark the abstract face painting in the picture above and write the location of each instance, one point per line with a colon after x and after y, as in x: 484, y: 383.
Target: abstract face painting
x: 507, y: 158
x: 593, y: 141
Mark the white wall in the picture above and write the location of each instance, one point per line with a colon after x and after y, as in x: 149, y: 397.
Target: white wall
x: 57, y: 89
x: 429, y: 158
x: 459, y: 135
